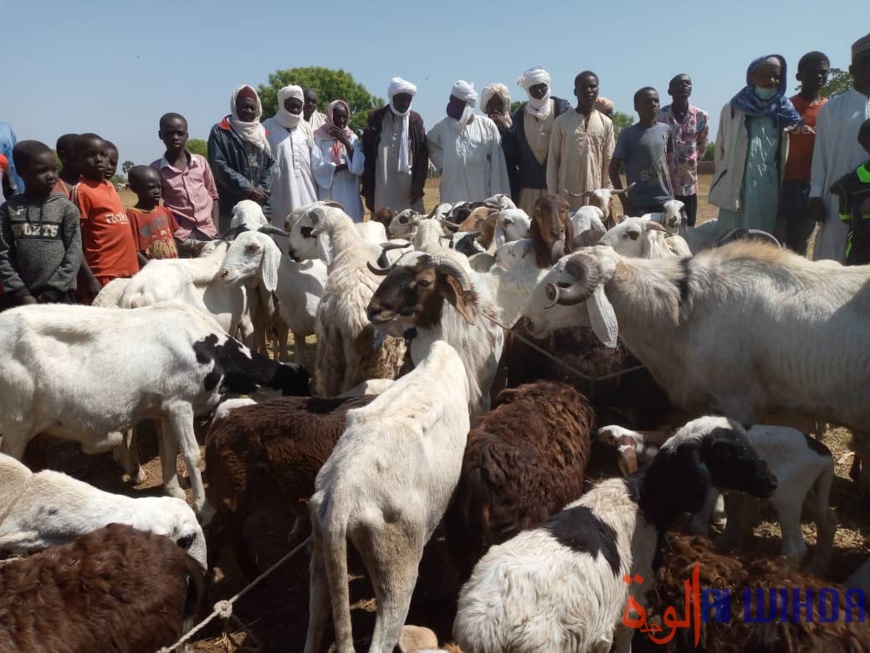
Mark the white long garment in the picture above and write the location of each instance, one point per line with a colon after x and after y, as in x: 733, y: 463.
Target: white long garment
x: 835, y: 153
x: 341, y: 187
x: 293, y: 183
x: 472, y: 162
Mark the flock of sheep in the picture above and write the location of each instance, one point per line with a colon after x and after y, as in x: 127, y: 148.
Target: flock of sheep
x: 432, y: 409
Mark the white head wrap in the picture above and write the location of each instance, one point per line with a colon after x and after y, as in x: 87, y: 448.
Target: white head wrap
x: 399, y: 85
x: 501, y: 91
x: 253, y: 131
x: 464, y: 91
x: 283, y: 117
x: 540, y: 109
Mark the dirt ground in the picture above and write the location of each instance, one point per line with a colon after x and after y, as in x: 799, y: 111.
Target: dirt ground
x: 276, y: 612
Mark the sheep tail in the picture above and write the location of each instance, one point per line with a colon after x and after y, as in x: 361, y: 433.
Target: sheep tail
x: 334, y: 538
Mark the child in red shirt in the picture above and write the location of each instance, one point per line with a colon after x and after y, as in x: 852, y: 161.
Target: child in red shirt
x: 109, y: 250
x: 152, y: 224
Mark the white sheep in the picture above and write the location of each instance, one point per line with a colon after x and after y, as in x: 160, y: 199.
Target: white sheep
x: 442, y: 299
x: 347, y: 353
x: 804, y: 469
x: 47, y: 508
x: 519, y: 254
x: 588, y: 218
x: 560, y: 587
x: 638, y: 238
x: 510, y: 225
x: 367, y: 493
x: 292, y: 289
x: 746, y: 329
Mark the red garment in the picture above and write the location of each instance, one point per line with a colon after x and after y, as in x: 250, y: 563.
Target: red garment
x: 802, y: 140
x: 63, y: 189
x: 152, y: 232
x: 106, y: 237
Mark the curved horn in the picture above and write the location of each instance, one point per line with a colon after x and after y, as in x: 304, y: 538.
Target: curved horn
x: 273, y: 230
x: 446, y: 265
x: 381, y: 272
x: 388, y: 247
x: 622, y: 191
x: 652, y: 225
x: 584, y: 270
x: 232, y: 231
x: 448, y: 225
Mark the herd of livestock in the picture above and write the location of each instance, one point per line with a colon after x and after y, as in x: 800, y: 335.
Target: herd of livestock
x: 470, y: 365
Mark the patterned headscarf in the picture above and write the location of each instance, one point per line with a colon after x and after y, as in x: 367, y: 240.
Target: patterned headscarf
x: 339, y: 154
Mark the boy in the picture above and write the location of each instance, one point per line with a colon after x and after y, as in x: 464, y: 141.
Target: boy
x: 189, y: 190
x: 853, y: 191
x: 151, y: 223
x: 644, y: 147
x: 794, y: 224
x: 40, y: 241
x: 68, y: 177
x: 109, y: 250
x: 112, y: 165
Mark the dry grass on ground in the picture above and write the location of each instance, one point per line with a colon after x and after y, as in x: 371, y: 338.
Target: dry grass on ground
x: 277, y: 611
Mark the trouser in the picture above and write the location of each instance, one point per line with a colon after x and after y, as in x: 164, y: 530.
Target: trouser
x: 793, y: 224
x: 690, y: 203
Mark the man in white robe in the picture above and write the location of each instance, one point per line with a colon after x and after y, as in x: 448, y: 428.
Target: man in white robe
x: 466, y: 148
x: 293, y: 149
x: 837, y: 152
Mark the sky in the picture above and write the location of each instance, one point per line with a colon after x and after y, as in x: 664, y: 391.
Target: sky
x: 115, y: 67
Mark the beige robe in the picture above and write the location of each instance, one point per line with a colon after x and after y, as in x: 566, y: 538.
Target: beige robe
x: 579, y: 155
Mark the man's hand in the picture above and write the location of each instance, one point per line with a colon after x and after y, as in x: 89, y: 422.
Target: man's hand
x: 259, y: 195
x: 817, y: 209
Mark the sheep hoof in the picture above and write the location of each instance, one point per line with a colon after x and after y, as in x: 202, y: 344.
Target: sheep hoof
x: 139, y: 477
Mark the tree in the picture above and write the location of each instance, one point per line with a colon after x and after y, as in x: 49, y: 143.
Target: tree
x: 621, y: 121
x: 330, y: 85
x: 118, y: 179
x: 709, y: 153
x: 197, y: 146
x: 126, y: 166
x: 516, y: 104
x: 839, y: 81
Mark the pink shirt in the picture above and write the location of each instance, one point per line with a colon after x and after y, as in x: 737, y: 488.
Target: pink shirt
x: 189, y: 194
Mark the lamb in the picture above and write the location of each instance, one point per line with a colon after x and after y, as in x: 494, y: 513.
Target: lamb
x: 764, y: 631
x: 805, y: 348
x: 638, y: 238
x: 254, y: 261
x: 116, y: 589
x: 516, y: 255
x: 274, y: 448
x: 602, y: 198
x: 169, y: 361
x: 524, y: 462
x: 551, y: 231
x: 559, y: 587
x: 803, y: 467
x: 110, y: 294
x: 587, y: 222
x: 443, y: 300
x: 368, y: 493
x: 47, y: 508
x: 347, y: 353
x: 385, y: 216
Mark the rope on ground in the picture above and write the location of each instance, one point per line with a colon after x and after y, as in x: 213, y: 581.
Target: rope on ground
x: 563, y: 364
x: 224, y: 609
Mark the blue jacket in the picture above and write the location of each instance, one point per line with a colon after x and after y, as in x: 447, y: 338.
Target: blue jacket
x: 234, y: 177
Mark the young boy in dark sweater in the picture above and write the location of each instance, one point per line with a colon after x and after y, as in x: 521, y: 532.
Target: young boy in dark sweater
x: 40, y: 238
x: 853, y: 189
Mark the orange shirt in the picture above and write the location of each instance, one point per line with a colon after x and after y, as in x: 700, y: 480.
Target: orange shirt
x: 152, y: 232
x: 106, y: 237
x: 802, y: 140
x: 63, y: 189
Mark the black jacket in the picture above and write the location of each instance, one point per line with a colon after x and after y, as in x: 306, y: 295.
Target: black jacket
x: 523, y: 168
x: 419, y: 151
x: 229, y: 164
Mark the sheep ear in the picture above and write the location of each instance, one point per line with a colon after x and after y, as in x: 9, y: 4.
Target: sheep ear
x: 500, y: 235
x: 269, y: 266
x: 453, y: 294
x: 324, y: 248
x: 602, y: 317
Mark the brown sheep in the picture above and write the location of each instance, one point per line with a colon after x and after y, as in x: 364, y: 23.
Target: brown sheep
x: 633, y: 400
x: 256, y: 451
x: 115, y: 589
x: 524, y: 461
x: 385, y: 216
x: 551, y: 230
x: 737, y: 572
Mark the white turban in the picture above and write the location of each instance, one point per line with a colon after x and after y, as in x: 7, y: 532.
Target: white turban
x: 539, y: 108
x: 399, y: 85
x: 282, y: 116
x: 500, y: 90
x: 464, y: 91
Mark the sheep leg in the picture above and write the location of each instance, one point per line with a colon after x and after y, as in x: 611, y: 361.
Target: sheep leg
x: 181, y: 420
x: 788, y: 511
x: 861, y: 463
x: 127, y: 454
x: 700, y: 523
x: 14, y: 442
x: 736, y: 506
x: 298, y: 347
x: 281, y: 337
x: 168, y: 452
x: 301, y: 526
x: 319, y: 608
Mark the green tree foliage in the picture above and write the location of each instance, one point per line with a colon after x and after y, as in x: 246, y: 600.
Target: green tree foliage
x: 330, y: 85
x: 126, y: 166
x: 516, y: 104
x: 57, y: 160
x: 839, y: 81
x: 709, y: 152
x: 197, y: 146
x: 118, y: 179
x: 621, y: 121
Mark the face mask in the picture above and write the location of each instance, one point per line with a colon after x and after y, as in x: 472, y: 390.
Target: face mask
x: 764, y: 93
x: 455, y: 111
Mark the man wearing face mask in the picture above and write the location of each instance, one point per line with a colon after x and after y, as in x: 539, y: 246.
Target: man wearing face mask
x: 292, y: 143
x: 530, y: 137
x: 466, y: 148
x: 752, y: 148
x: 396, y: 152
